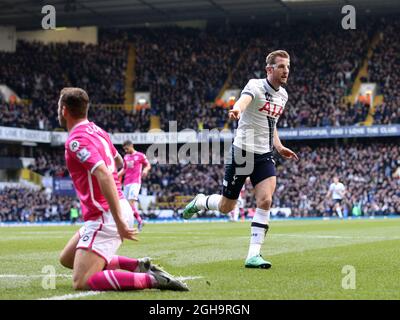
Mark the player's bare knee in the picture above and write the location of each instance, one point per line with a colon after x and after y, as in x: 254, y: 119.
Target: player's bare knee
x: 264, y: 203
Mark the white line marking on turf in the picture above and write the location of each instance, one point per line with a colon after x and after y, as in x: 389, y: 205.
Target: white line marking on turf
x: 188, y: 278
x: 74, y: 295
x: 70, y: 276
x: 34, y: 276
x: 94, y: 293
x: 318, y: 236
x: 313, y: 236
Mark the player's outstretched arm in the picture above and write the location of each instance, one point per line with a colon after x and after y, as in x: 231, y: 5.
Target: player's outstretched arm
x: 240, y: 106
x: 108, y: 188
x: 283, y: 151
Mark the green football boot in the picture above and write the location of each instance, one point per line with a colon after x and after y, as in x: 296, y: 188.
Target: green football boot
x: 257, y: 262
x: 191, y: 208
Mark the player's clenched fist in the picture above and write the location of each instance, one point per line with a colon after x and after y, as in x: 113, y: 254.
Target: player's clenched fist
x: 234, y: 114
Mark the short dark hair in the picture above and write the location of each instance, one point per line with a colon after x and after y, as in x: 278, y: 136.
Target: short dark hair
x: 76, y: 100
x: 127, y: 143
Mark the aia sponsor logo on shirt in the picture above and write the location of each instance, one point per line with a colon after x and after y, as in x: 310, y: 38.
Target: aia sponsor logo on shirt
x: 271, y: 109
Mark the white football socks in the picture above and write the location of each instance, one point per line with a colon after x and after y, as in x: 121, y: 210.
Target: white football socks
x: 259, y: 228
x: 339, y: 212
x: 236, y: 213
x: 209, y: 202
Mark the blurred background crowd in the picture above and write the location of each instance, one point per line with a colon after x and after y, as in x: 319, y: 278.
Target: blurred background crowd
x: 369, y: 171
x: 185, y: 76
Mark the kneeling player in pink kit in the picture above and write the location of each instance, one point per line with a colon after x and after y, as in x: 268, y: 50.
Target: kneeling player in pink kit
x: 133, y: 165
x: 90, y: 158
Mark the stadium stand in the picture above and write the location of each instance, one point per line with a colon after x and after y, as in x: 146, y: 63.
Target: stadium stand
x: 185, y: 80
x: 324, y: 63
x: 382, y: 69
x: 49, y: 67
x: 24, y: 205
x: 369, y: 170
x: 190, y: 77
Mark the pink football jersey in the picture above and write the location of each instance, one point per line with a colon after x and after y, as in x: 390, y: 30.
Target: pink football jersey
x: 133, y: 164
x: 87, y: 147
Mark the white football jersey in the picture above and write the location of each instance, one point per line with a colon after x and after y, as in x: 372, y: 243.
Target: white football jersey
x: 337, y: 190
x: 255, y: 132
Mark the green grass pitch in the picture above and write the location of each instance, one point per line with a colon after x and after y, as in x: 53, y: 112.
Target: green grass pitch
x: 307, y: 260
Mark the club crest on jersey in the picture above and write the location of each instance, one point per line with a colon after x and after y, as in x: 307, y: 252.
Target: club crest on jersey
x: 74, y: 146
x: 130, y: 163
x: 268, y: 96
x: 83, y: 155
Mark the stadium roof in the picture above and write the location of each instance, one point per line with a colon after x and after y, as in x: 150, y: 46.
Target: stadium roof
x: 26, y: 14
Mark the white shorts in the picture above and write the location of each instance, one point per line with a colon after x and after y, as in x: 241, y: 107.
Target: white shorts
x: 131, y: 191
x: 101, y: 236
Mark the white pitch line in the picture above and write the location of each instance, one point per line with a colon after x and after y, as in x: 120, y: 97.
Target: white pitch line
x: 94, y: 293
x: 188, y: 278
x: 74, y: 295
x: 317, y: 236
x: 70, y: 276
x: 33, y: 276
x: 81, y: 294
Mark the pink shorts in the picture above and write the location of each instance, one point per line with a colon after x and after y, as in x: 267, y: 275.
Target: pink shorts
x: 101, y: 236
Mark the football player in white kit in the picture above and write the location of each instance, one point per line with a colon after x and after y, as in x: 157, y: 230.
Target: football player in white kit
x: 258, y: 109
x: 337, y: 191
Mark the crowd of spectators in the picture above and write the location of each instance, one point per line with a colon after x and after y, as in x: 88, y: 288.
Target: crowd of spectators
x: 25, y: 205
x: 324, y: 62
x: 49, y: 162
x: 185, y: 74
x: 189, y: 77
x: 382, y: 69
x: 29, y: 116
x: 99, y: 69
x: 38, y: 116
x: 369, y: 171
x: 39, y: 71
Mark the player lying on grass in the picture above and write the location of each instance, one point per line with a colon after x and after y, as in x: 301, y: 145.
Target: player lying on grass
x: 258, y: 109
x: 91, y: 253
